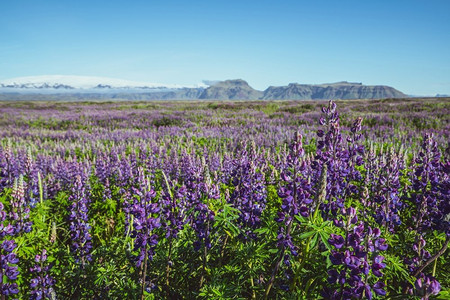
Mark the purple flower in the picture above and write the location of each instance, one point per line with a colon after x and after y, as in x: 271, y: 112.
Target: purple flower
x: 296, y: 193
x: 378, y: 288
x: 20, y: 211
x: 78, y: 220
x: 41, y: 285
x: 426, y: 285
x: 351, y: 259
x: 145, y: 214
x: 337, y: 241
x: 340, y: 160
x: 380, y: 244
x: 8, y: 268
x: 249, y: 194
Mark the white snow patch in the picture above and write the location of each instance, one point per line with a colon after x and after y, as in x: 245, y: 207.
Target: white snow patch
x: 87, y: 82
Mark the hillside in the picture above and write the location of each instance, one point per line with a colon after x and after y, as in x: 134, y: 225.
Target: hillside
x: 96, y: 88
x: 339, y: 90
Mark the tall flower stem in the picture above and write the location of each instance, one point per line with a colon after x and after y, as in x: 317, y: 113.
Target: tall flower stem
x: 222, y: 252
x: 283, y: 249
x: 169, y: 257
x: 202, y: 279
x: 205, y: 254
x: 433, y: 258
x: 277, y: 266
x: 252, y: 282
x: 144, y: 273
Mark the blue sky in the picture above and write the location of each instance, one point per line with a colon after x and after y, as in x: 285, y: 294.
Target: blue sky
x: 401, y: 43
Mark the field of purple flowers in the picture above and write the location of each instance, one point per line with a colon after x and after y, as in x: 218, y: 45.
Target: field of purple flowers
x: 225, y: 200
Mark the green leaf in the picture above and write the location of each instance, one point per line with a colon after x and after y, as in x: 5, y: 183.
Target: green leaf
x: 324, y: 237
x: 218, y: 293
x: 301, y: 219
x: 444, y: 295
x: 261, y: 230
x: 306, y: 234
x: 314, y: 241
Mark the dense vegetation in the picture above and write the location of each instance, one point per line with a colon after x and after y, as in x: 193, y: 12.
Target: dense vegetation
x: 225, y: 200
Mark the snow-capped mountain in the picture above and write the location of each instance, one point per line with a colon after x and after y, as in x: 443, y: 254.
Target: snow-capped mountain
x: 61, y: 83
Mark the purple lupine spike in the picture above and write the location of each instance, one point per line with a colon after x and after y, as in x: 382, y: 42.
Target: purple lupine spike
x: 353, y: 258
x: 296, y: 193
x: 387, y: 202
x: 340, y: 160
x: 8, y: 267
x: 430, y: 200
x: 203, y: 217
x: 430, y: 194
x: 146, y: 219
x: 174, y: 211
x: 426, y: 285
x: 20, y: 211
x: 79, y: 221
x: 249, y: 195
x: 8, y: 260
x: 41, y: 285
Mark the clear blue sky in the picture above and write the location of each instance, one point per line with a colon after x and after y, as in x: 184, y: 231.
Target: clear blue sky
x: 402, y: 43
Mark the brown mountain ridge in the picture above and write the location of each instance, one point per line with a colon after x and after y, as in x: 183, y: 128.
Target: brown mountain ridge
x: 240, y: 89
x: 236, y: 89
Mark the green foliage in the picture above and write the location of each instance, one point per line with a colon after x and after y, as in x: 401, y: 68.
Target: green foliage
x: 270, y: 108
x: 166, y: 121
x: 236, y: 268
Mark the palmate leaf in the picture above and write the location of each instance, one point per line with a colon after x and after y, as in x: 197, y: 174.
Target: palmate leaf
x: 318, y: 228
x: 225, y: 220
x: 394, y: 264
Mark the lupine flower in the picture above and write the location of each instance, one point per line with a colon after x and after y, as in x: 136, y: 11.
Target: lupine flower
x: 385, y: 172
x: 146, y: 219
x: 9, y: 168
x: 8, y: 267
x: 41, y: 285
x: 296, y: 194
x: 8, y: 259
x: 430, y: 198
x: 6, y: 229
x: 174, y: 211
x: 203, y: 216
x: 430, y: 189
x: 79, y: 222
x: 355, y: 256
x: 202, y: 224
x: 340, y: 161
x: 249, y: 195
x: 20, y: 211
x: 426, y: 286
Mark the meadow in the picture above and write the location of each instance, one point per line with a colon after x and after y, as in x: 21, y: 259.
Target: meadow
x: 225, y: 200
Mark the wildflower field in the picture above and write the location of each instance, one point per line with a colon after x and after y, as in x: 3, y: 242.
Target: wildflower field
x: 225, y: 200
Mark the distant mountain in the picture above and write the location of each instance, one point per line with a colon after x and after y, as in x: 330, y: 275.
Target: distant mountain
x: 338, y: 90
x: 58, y: 87
x: 240, y: 89
x: 231, y: 90
x: 58, y: 83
